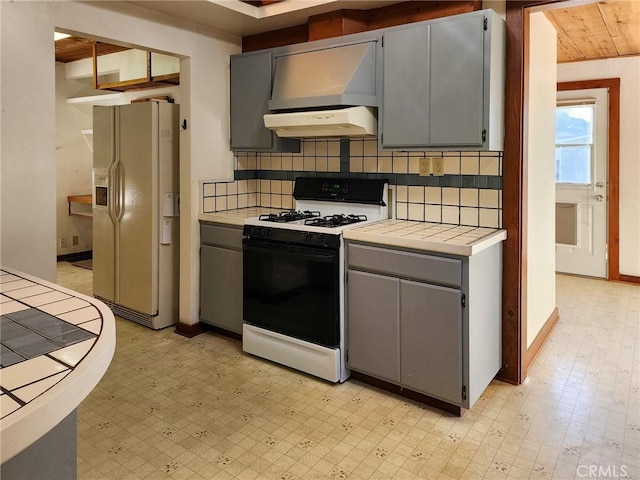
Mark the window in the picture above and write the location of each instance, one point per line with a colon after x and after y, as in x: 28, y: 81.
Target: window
x: 574, y: 143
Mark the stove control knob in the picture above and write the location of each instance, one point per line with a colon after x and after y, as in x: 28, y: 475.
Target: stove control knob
x: 263, y: 232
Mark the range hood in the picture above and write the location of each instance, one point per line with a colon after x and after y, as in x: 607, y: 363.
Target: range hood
x: 325, y: 93
x: 344, y: 122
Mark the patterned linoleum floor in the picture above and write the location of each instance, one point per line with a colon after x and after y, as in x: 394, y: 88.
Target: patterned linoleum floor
x: 172, y: 407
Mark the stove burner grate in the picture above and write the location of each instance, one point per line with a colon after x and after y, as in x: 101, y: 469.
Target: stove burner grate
x: 289, y: 216
x: 333, y: 221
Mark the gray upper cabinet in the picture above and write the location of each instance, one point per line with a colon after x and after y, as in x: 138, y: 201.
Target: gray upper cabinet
x: 251, y: 77
x: 443, y: 84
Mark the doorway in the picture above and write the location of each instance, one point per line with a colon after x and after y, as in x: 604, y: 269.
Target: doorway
x: 581, y: 182
x: 612, y: 187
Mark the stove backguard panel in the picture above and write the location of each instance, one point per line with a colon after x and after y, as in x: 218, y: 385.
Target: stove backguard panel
x: 469, y: 193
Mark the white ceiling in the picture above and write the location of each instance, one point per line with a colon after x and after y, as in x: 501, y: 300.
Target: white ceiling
x: 237, y: 18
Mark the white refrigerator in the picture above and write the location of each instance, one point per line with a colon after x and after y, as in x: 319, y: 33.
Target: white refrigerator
x: 135, y: 211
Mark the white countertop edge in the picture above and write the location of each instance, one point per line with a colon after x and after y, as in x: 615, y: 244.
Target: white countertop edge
x: 422, y: 244
x: 23, y: 427
x: 232, y: 217
x: 221, y: 218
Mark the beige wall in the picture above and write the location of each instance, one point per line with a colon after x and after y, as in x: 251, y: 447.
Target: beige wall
x: 628, y: 70
x: 28, y: 198
x: 540, y: 131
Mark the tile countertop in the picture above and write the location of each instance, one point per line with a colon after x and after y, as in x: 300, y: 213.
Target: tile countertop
x: 56, y: 344
x: 434, y: 237
x: 238, y: 216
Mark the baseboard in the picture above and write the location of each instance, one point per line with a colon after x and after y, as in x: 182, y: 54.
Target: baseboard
x: 189, y: 330
x: 629, y: 279
x: 410, y: 394
x: 75, y: 257
x: 541, y: 338
x: 221, y: 331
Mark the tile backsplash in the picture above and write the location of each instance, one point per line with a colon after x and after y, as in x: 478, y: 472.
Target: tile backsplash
x: 469, y: 193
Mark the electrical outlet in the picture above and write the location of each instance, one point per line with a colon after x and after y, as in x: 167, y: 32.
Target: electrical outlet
x: 63, y: 242
x: 75, y: 240
x: 425, y: 167
x: 438, y: 167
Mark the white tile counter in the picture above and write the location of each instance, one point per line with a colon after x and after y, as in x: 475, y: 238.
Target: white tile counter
x: 56, y: 346
x: 433, y: 237
x: 238, y: 215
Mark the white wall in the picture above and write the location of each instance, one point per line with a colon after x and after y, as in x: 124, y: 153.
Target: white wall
x: 540, y: 144
x: 628, y: 70
x: 28, y: 231
x: 74, y: 160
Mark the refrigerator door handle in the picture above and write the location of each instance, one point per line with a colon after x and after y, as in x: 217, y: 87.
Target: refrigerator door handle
x: 113, y: 191
x: 120, y: 192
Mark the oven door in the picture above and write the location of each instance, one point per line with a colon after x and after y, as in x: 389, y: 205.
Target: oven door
x: 292, y: 289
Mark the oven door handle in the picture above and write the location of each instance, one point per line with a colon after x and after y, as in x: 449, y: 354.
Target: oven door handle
x: 284, y: 250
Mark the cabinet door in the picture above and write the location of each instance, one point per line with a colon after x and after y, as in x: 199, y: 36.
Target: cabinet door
x: 433, y: 85
x: 456, y: 89
x: 373, y: 325
x: 250, y: 91
x: 431, y: 340
x: 221, y: 287
x: 405, y: 87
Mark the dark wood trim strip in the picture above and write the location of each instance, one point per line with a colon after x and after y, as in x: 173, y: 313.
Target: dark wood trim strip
x: 344, y: 22
x: 514, y: 324
x: 512, y: 175
x: 629, y: 279
x: 542, y: 336
x: 406, y: 393
x: 189, y: 330
x: 613, y: 166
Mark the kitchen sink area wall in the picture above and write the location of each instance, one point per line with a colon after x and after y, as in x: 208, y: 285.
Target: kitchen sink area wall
x: 469, y: 193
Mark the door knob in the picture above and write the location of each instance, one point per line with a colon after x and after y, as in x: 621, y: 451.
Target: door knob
x: 599, y: 198
x: 599, y: 185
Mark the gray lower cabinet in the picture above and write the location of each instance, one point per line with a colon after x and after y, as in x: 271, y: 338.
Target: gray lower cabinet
x: 251, y: 79
x: 426, y: 322
x: 221, y: 276
x: 374, y: 329
x: 442, y: 84
x: 431, y: 340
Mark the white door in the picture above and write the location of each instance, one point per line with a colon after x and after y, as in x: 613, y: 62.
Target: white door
x: 581, y: 182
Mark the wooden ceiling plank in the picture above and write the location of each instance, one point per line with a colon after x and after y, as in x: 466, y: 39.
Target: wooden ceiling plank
x: 567, y: 49
x: 622, y: 19
x: 596, y: 46
x: 583, y: 20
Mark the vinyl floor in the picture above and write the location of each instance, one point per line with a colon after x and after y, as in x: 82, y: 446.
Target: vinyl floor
x: 172, y: 407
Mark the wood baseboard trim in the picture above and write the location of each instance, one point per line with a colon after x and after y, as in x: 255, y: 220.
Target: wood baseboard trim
x: 75, y: 257
x: 629, y: 279
x: 189, y: 330
x: 542, y: 336
x: 410, y: 394
x: 221, y: 331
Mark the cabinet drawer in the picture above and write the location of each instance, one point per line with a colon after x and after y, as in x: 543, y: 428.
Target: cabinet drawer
x: 227, y: 237
x: 417, y: 266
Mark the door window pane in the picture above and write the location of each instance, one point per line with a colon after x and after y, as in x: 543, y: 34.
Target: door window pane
x: 574, y: 124
x: 573, y: 164
x: 574, y: 143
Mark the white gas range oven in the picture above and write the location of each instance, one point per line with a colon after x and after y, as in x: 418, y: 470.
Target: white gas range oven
x: 294, y: 277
